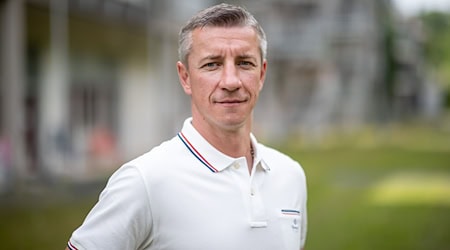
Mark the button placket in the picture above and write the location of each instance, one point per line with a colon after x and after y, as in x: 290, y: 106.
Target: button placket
x: 257, y: 208
x: 250, y: 190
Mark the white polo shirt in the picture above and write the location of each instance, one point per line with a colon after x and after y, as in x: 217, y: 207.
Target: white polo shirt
x: 185, y: 194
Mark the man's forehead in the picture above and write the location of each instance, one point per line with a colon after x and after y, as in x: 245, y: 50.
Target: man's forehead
x: 211, y: 42
x: 219, y: 38
x: 234, y: 32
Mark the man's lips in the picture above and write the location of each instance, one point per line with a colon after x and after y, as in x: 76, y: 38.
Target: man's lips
x: 230, y: 101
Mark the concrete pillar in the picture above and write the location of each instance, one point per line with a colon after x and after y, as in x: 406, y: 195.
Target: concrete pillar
x: 12, y: 77
x: 55, y: 139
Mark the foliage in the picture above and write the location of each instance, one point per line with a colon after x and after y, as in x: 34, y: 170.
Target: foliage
x: 437, y: 44
x: 437, y: 28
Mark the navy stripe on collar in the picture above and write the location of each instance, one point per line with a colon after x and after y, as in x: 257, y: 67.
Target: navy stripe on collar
x: 195, y: 152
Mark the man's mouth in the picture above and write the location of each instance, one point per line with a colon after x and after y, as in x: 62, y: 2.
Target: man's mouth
x: 230, y: 101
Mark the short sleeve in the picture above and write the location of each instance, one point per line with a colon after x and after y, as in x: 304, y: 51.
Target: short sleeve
x: 305, y: 212
x: 121, y: 219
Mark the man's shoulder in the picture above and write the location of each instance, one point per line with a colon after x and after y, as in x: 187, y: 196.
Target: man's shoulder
x: 162, y: 154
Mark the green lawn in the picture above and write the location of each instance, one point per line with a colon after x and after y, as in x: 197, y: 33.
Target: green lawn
x: 378, y: 190
x: 377, y: 199
x: 41, y: 226
x: 364, y: 193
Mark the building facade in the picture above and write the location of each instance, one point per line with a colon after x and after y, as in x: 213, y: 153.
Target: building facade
x: 87, y: 84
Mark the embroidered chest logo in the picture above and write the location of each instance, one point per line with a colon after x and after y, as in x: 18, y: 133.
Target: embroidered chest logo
x: 295, y: 224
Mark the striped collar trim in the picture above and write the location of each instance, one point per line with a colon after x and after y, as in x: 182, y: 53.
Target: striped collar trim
x: 215, y: 161
x: 71, y: 246
x: 195, y: 152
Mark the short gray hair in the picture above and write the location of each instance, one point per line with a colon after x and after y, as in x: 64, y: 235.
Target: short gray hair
x: 221, y: 15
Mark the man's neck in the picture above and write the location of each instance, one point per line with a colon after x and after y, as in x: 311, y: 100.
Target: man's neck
x: 234, y: 144
x: 232, y: 141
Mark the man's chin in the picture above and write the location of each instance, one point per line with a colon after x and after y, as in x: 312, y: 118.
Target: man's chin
x: 233, y: 123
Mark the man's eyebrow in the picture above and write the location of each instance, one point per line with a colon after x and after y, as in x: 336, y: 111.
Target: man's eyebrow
x: 213, y: 57
x: 210, y: 57
x: 247, y: 56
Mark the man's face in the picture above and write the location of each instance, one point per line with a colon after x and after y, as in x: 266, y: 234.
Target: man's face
x: 224, y: 76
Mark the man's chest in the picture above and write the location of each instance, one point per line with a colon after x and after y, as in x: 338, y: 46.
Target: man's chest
x: 232, y: 211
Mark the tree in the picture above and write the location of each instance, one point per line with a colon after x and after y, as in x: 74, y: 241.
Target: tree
x: 437, y: 46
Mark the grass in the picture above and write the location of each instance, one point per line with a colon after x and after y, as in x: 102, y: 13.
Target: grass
x: 41, y: 226
x: 371, y: 190
x: 342, y: 208
x: 385, y: 189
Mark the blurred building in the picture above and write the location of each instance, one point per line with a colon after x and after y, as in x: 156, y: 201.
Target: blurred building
x: 87, y: 84
x: 341, y: 64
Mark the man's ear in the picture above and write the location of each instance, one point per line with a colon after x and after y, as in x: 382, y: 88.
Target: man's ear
x: 183, y: 75
x: 262, y: 76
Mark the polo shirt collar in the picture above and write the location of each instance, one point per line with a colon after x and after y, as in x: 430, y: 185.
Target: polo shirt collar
x: 258, y: 156
x: 208, y: 155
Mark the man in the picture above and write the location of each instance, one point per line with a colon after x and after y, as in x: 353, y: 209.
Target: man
x: 212, y: 186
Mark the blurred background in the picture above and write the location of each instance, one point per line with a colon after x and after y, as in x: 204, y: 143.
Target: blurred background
x: 358, y: 91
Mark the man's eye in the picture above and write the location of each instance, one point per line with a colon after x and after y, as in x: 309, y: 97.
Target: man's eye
x: 246, y: 64
x: 210, y: 65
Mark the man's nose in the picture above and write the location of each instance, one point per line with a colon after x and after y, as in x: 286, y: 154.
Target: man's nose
x: 230, y: 78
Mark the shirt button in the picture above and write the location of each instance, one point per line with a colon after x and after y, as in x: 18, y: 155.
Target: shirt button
x: 252, y: 191
x: 236, y: 165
